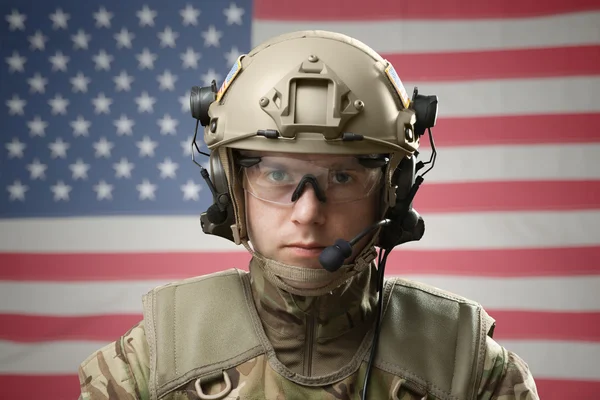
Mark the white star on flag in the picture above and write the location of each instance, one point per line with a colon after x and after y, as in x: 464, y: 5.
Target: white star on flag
x: 211, y: 36
x: 58, y: 104
x: 37, y: 170
x: 38, y: 83
x: 209, y: 76
x: 81, y: 40
x: 123, y: 168
x: 146, y: 190
x: 146, y: 59
x: 103, y: 60
x: 103, y: 17
x: 37, y: 126
x: 17, y: 191
x: 58, y: 148
x: 80, y: 126
x: 61, y: 191
x: 16, y: 21
x: 190, y: 190
x: 123, y: 81
x: 168, y: 37
x: 15, y: 148
x: 16, y: 105
x: 234, y: 14
x: 190, y: 58
x: 145, y: 102
x: 185, y: 102
x: 232, y: 56
x: 124, y: 125
x: 103, y: 148
x: 37, y: 41
x: 79, y: 169
x: 59, y: 19
x: 167, y: 80
x: 101, y: 104
x: 147, y: 147
x: 103, y: 190
x: 124, y: 38
x: 16, y: 62
x: 59, y: 61
x: 167, y: 125
x: 146, y: 16
x: 189, y: 15
x: 80, y: 83
x: 167, y: 168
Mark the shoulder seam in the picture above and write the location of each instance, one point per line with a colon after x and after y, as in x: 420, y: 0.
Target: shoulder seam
x: 433, y: 291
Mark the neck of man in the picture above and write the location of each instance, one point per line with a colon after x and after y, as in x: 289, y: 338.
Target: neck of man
x: 316, y: 335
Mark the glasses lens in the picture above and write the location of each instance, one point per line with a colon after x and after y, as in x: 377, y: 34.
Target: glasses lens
x: 342, y: 179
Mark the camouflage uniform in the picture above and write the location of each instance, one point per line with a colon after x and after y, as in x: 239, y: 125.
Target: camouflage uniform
x: 311, y: 337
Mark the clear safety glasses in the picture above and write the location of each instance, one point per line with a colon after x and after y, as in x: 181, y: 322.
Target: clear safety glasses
x: 282, y: 180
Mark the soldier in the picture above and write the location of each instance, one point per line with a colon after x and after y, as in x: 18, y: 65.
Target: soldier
x: 313, y: 142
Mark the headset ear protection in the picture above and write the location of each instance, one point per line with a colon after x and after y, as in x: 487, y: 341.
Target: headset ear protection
x: 219, y: 217
x: 407, y: 225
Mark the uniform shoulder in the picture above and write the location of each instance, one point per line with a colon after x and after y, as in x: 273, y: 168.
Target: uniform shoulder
x: 200, y: 278
x: 506, y: 376
x: 119, y: 369
x: 432, y: 290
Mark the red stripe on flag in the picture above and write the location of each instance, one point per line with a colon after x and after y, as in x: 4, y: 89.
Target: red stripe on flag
x: 545, y: 325
x: 561, y: 389
x: 508, y: 196
x: 348, y: 10
x: 60, y: 387
x: 504, y: 64
x: 530, y: 325
x: 515, y: 130
x: 571, y: 261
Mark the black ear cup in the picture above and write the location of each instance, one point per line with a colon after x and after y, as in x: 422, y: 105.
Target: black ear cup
x: 407, y: 225
x: 200, y: 100
x: 219, y: 217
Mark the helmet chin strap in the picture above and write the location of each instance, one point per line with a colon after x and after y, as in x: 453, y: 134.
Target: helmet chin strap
x: 310, y: 282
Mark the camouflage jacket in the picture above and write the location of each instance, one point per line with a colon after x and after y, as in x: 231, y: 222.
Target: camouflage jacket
x: 315, y: 349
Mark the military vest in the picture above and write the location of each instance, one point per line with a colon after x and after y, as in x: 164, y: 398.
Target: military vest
x: 206, y: 341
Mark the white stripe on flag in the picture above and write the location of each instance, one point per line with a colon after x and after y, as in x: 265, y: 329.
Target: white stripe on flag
x: 425, y: 36
x: 514, y: 96
x: 558, y: 360
x: 568, y: 360
x: 92, y: 298
x: 456, y: 231
x: 546, y: 162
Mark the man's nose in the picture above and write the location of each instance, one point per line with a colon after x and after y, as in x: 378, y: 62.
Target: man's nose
x: 308, y: 209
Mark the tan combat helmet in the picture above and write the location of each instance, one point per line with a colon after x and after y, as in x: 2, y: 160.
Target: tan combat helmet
x: 307, y: 92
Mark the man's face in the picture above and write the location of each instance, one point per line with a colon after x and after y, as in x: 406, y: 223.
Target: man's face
x: 297, y: 232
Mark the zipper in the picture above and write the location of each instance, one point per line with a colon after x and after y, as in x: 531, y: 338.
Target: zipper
x: 308, y: 346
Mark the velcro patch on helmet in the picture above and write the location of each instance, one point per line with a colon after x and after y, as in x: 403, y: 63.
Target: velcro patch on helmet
x: 233, y: 72
x: 395, y: 79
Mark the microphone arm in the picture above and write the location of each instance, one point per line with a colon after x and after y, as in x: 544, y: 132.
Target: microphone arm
x: 332, y: 257
x: 369, y: 229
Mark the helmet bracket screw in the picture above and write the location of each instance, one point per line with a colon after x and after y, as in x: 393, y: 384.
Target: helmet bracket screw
x: 312, y: 58
x: 359, y: 104
x: 408, y: 133
x: 263, y: 101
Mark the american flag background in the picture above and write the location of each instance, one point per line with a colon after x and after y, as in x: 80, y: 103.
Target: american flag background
x: 100, y: 201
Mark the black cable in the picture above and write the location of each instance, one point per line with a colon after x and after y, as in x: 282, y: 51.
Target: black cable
x: 380, y: 280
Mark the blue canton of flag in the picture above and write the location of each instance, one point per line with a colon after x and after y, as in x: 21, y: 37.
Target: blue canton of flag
x: 95, y: 103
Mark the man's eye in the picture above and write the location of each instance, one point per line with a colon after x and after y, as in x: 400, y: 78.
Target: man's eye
x: 341, y: 177
x: 277, y: 176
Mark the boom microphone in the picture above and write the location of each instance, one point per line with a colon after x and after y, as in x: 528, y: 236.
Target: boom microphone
x: 332, y: 257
